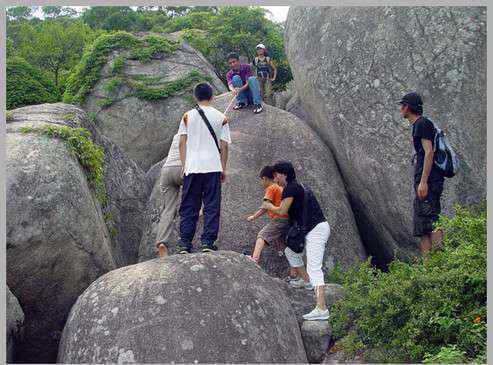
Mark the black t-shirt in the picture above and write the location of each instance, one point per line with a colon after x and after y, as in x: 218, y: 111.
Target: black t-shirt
x: 423, y: 128
x: 314, y: 213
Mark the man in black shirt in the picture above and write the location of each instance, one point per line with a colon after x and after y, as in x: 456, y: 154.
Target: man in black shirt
x: 317, y: 228
x: 428, y: 183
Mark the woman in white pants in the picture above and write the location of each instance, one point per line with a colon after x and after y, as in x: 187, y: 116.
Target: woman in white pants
x: 318, y: 234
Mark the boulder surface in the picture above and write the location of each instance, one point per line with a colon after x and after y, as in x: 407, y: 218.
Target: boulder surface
x: 367, y: 58
x: 198, y: 308
x: 140, y: 105
x: 14, y: 321
x: 259, y: 140
x: 59, y: 238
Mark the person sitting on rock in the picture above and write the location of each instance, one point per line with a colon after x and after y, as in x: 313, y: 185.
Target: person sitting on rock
x: 243, y: 84
x: 204, y: 161
x: 275, y: 231
x: 266, y: 71
x: 317, y: 228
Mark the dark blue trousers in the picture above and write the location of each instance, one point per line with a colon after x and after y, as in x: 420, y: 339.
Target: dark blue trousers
x: 198, y: 188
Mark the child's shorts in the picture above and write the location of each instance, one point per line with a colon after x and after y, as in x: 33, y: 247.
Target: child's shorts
x: 275, y: 232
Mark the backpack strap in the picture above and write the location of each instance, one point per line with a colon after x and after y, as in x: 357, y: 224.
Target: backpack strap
x: 211, y: 130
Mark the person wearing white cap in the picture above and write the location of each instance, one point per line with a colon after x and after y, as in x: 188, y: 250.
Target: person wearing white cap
x: 266, y: 71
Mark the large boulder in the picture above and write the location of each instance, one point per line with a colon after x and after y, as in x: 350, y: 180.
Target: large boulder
x: 202, y: 308
x: 59, y: 237
x: 14, y: 321
x: 366, y: 58
x: 290, y: 101
x: 316, y: 335
x: 143, y: 89
x: 259, y: 140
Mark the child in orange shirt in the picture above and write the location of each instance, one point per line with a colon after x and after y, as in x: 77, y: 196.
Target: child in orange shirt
x: 275, y: 231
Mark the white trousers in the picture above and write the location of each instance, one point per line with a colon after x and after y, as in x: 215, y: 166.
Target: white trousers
x: 315, y: 248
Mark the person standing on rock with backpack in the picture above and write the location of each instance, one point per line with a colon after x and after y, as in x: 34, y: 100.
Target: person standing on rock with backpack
x: 243, y: 84
x: 309, y: 231
x: 266, y: 72
x: 428, y: 180
x: 204, y: 139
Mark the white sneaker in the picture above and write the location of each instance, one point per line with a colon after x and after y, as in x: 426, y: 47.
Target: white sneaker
x: 300, y: 283
x: 317, y: 315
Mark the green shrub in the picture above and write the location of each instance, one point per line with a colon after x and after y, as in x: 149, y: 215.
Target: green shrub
x: 9, y: 115
x: 87, y: 72
x: 113, y: 84
x: 142, y: 91
x: 89, y: 155
x: 429, y: 310
x: 27, y: 85
x: 105, y: 102
x: 117, y: 64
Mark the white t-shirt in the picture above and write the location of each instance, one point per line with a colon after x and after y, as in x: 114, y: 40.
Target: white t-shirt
x: 173, y: 158
x: 202, y: 155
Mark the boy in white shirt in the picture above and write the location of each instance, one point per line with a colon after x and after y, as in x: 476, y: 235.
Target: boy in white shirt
x: 204, y: 159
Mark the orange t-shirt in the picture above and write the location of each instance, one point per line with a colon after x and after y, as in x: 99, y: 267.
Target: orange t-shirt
x: 273, y: 193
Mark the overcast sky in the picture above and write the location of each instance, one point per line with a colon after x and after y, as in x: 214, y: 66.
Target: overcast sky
x: 278, y: 13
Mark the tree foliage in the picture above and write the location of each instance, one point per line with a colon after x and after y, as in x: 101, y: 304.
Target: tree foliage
x: 27, y: 85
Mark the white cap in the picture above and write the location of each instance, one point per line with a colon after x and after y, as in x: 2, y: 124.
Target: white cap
x: 260, y: 45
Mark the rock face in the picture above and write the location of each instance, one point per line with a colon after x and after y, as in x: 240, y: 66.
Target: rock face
x: 366, y: 59
x: 259, y: 140
x: 316, y: 335
x: 58, y: 240
x: 316, y: 338
x: 143, y: 126
x: 290, y: 101
x: 14, y: 321
x: 205, y: 308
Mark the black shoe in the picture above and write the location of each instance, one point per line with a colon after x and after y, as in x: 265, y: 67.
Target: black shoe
x: 239, y: 106
x: 208, y: 248
x: 183, y: 250
x: 258, y: 108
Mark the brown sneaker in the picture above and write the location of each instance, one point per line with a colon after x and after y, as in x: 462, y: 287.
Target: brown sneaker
x: 162, y: 250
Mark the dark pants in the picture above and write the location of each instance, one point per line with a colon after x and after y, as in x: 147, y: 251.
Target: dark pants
x: 426, y: 211
x: 198, y: 188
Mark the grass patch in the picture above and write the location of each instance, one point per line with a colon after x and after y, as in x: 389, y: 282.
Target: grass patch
x: 113, y: 84
x: 172, y: 88
x: 26, y: 129
x: 105, y: 102
x: 9, y: 115
x: 117, y: 65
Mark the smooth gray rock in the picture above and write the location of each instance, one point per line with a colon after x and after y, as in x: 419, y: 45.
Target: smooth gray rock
x: 259, y: 140
x: 14, y: 321
x: 316, y: 334
x: 152, y: 175
x: 303, y: 300
x: 316, y: 338
x: 144, y: 129
x: 58, y: 240
x: 366, y: 58
x: 206, y: 308
x: 290, y: 101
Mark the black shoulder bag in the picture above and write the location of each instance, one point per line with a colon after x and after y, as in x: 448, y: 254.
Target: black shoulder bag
x: 295, y: 238
x: 213, y: 134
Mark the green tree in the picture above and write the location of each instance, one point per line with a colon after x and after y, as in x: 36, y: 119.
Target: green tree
x: 27, y: 85
x: 51, y: 11
x: 56, y: 46
x: 19, y: 12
